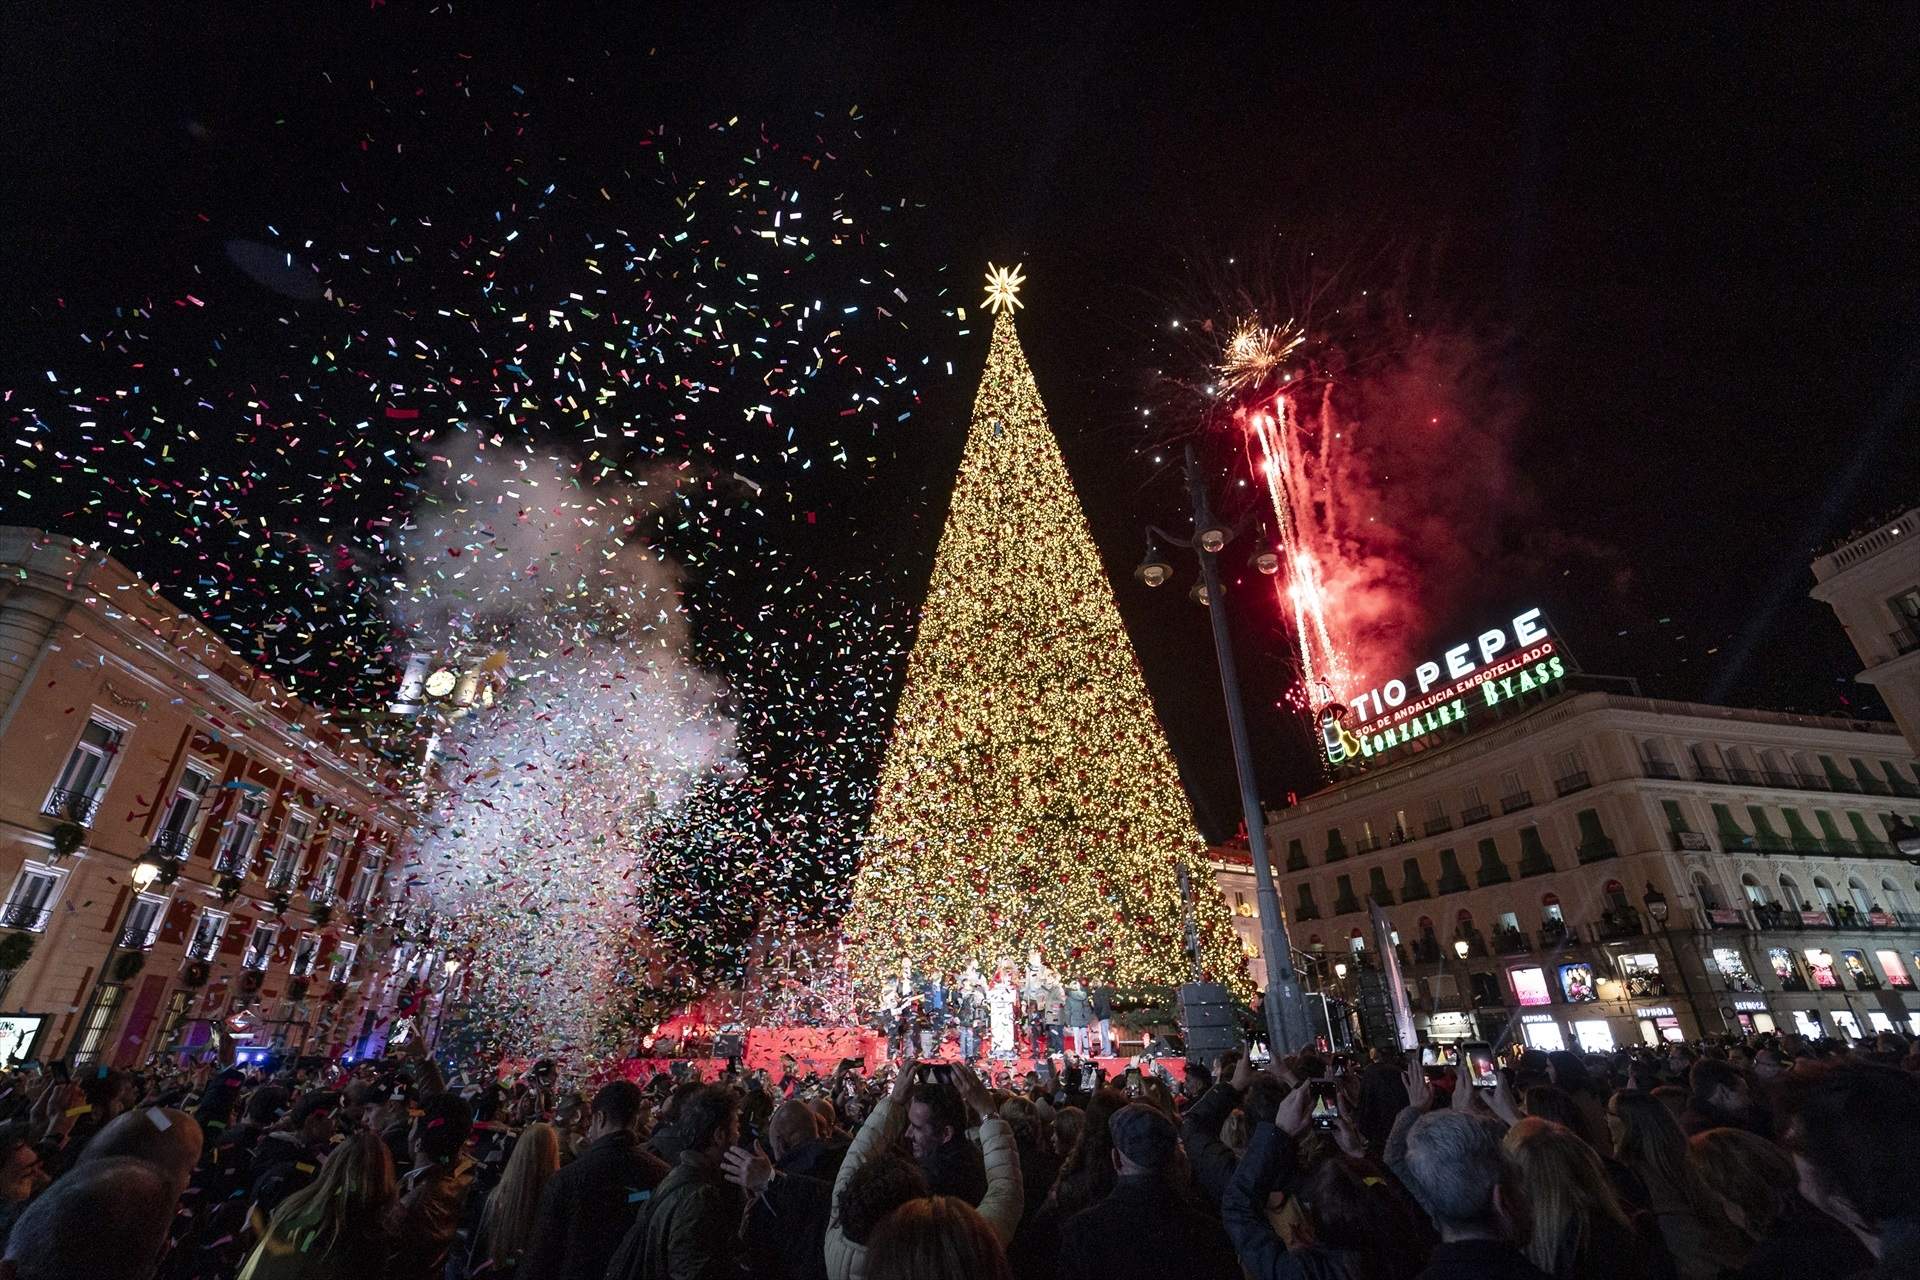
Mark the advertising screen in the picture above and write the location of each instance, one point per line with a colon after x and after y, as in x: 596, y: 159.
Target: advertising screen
x: 1530, y: 987
x: 1576, y: 983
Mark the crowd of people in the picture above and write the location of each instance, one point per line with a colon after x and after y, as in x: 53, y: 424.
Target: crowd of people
x: 1768, y: 1156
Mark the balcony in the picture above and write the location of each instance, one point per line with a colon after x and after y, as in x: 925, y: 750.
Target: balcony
x: 1905, y: 639
x: 1415, y: 891
x: 203, y: 948
x: 1553, y: 934
x: 1597, y: 851
x: 232, y: 862
x: 1661, y: 769
x: 70, y: 806
x: 1345, y: 904
x: 1435, y: 826
x: 1572, y: 782
x: 1517, y: 801
x: 1618, y: 922
x: 1426, y: 950
x: 1510, y: 942
x: 137, y: 937
x: 171, y: 846
x: 1478, y: 813
x: 22, y: 915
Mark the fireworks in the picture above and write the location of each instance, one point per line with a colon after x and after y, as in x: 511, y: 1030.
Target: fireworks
x: 1254, y: 353
x: 1303, y: 597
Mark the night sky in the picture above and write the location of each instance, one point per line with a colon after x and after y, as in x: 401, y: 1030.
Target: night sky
x: 1683, y: 247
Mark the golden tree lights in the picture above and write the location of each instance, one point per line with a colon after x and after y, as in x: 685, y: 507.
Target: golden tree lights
x: 1029, y: 798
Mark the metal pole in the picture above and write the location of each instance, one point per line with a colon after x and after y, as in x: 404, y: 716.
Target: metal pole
x: 1686, y: 983
x: 1289, y: 1029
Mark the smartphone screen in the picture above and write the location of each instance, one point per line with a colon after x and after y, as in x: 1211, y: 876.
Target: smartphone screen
x: 1133, y: 1079
x: 1324, y: 1112
x: 1480, y: 1065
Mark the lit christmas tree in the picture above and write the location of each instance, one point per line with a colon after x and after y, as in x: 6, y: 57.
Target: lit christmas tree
x: 1028, y: 798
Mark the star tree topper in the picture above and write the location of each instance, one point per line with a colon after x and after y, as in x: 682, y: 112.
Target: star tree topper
x: 1003, y: 287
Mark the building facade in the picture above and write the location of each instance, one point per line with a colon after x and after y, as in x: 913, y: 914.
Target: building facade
x: 1872, y: 583
x: 182, y: 843
x: 1599, y: 870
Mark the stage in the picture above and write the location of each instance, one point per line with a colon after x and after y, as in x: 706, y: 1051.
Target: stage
x: 820, y: 1050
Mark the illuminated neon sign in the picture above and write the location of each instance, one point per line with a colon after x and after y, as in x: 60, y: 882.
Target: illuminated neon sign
x: 1498, y: 665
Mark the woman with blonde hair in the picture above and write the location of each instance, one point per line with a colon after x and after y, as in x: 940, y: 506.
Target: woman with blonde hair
x: 1576, y: 1226
x: 334, y: 1228
x: 506, y: 1223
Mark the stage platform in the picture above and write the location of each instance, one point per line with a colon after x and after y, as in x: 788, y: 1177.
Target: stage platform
x: 821, y: 1049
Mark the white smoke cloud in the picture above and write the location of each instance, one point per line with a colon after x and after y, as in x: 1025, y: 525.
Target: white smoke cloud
x: 536, y: 841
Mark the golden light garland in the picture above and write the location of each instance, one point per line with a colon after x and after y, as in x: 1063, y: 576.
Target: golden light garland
x: 1028, y: 797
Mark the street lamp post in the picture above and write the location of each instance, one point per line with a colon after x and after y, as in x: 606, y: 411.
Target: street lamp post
x: 1289, y: 1029
x: 1657, y: 908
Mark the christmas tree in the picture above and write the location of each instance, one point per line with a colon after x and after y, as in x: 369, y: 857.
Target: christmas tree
x: 1028, y: 798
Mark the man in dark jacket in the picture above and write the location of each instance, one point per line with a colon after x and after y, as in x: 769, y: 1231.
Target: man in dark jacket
x: 1144, y: 1229
x: 937, y: 1132
x: 690, y: 1228
x: 1453, y: 1168
x: 288, y: 1159
x: 1856, y: 1143
x: 1100, y: 1007
x: 790, y: 1195
x: 588, y: 1205
x: 1211, y: 1159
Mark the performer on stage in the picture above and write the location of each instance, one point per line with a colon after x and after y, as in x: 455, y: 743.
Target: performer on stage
x: 970, y: 1005
x: 1001, y: 997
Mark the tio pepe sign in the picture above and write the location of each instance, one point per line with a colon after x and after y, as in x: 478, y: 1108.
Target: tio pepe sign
x: 1497, y: 665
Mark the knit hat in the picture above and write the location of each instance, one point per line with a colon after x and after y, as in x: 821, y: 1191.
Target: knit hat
x: 1144, y: 1136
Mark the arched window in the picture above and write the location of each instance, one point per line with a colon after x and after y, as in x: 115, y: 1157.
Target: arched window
x: 1426, y: 926
x: 1790, y: 894
x: 1314, y: 943
x: 1616, y: 896
x: 1464, y: 919
x: 1896, y: 901
x: 1357, y: 941
x: 1750, y: 886
x: 1550, y: 909
x: 1862, y: 897
x: 1703, y: 758
x: 1703, y: 889
x: 1823, y: 890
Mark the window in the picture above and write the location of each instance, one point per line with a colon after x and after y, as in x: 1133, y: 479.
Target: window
x: 1655, y: 753
x: 1471, y: 797
x: 30, y: 903
x: 142, y: 925
x: 1785, y: 969
x: 1733, y: 970
x: 175, y: 837
x: 1704, y: 890
x: 342, y: 967
x: 260, y: 946
x: 77, y: 793
x: 94, y: 1027
x: 207, y: 932
x: 326, y: 876
x: 1855, y: 964
x: 286, y: 858
x: 1751, y: 887
x: 1436, y: 810
x: 1890, y: 894
x: 1857, y: 890
x: 1569, y: 773
x: 1823, y: 888
x: 305, y: 953
x: 1550, y: 910
x: 1790, y: 894
x: 1820, y: 965
x: 367, y: 883
x: 1616, y: 896
x: 1891, y: 966
x: 237, y: 845
x: 1510, y: 784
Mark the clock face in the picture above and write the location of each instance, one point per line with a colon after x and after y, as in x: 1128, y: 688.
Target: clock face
x: 440, y: 683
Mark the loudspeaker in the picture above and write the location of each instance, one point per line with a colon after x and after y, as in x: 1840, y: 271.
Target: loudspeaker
x: 1206, y: 1011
